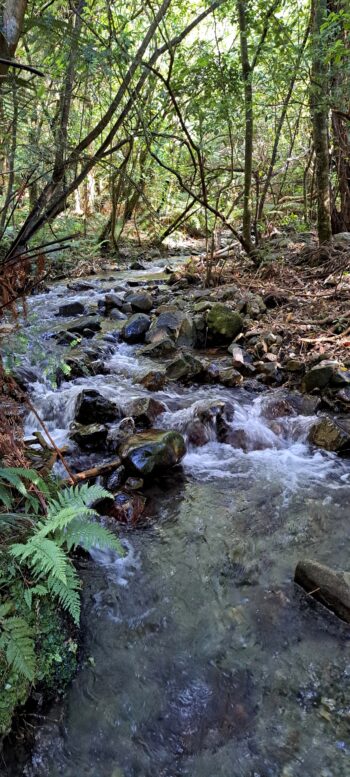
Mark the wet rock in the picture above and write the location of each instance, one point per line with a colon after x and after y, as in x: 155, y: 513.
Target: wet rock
x: 342, y: 399
x: 174, y: 324
x: 152, y: 451
x: 93, y: 407
x: 162, y: 347
x: 89, y: 436
x: 116, y: 479
x: 197, y: 433
x: 144, y: 410
x: 24, y: 376
x: 325, y: 374
x: 223, y: 323
x: 282, y: 403
x: 112, y: 302
x: 71, y: 309
x: 117, y: 315
x: 137, y: 265
x: 79, y: 367
x: 331, y: 434
x: 117, y: 434
x: 135, y: 328
x: 184, y: 367
x: 133, y: 484
x: 127, y: 508
x: 141, y: 302
x: 218, y: 372
x: 327, y: 585
x: 85, y: 326
x: 81, y: 285
x: 154, y: 380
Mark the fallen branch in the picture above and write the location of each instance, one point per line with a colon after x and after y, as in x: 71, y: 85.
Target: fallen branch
x: 95, y: 472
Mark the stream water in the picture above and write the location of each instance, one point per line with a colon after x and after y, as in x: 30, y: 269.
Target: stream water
x: 201, y: 658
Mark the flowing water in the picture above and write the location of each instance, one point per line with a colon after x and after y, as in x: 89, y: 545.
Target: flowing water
x: 200, y: 656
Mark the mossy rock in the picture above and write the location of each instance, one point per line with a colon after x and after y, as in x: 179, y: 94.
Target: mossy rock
x: 223, y: 323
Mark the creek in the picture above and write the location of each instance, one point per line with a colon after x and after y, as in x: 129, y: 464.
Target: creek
x: 200, y: 656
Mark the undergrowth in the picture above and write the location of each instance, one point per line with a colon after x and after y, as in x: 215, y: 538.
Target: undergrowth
x: 40, y: 526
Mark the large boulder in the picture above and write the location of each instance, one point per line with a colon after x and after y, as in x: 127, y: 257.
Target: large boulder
x: 93, y: 407
x: 135, y: 329
x: 155, y: 450
x: 223, y: 323
x: 327, y: 585
x: 331, y: 434
x: 144, y: 410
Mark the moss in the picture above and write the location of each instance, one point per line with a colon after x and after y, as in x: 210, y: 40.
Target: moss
x: 55, y: 649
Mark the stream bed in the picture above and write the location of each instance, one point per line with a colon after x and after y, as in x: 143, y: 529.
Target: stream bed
x: 200, y: 656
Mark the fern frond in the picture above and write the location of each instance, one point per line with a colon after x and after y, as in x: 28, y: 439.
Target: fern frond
x: 90, y: 535
x: 58, y: 521
x: 20, y: 647
x: 43, y: 556
x: 68, y: 595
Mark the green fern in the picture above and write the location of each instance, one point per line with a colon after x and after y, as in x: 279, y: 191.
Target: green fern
x: 17, y: 640
x: 67, y: 525
x: 43, y: 556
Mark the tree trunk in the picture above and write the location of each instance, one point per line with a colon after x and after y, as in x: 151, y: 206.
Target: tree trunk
x: 248, y: 113
x: 320, y: 119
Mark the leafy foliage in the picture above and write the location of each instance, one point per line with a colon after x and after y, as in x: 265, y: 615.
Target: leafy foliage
x: 37, y: 568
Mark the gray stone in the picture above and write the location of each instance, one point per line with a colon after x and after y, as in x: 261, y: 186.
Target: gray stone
x: 71, y: 309
x: 320, y: 376
x: 135, y: 328
x: 144, y: 410
x: 331, y: 434
x: 163, y: 347
x: 141, y: 301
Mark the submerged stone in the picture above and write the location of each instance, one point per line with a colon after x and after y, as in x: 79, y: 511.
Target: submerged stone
x: 327, y: 585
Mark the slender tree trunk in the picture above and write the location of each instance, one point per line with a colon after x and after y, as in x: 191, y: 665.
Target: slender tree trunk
x: 248, y: 114
x: 11, y: 160
x: 320, y: 121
